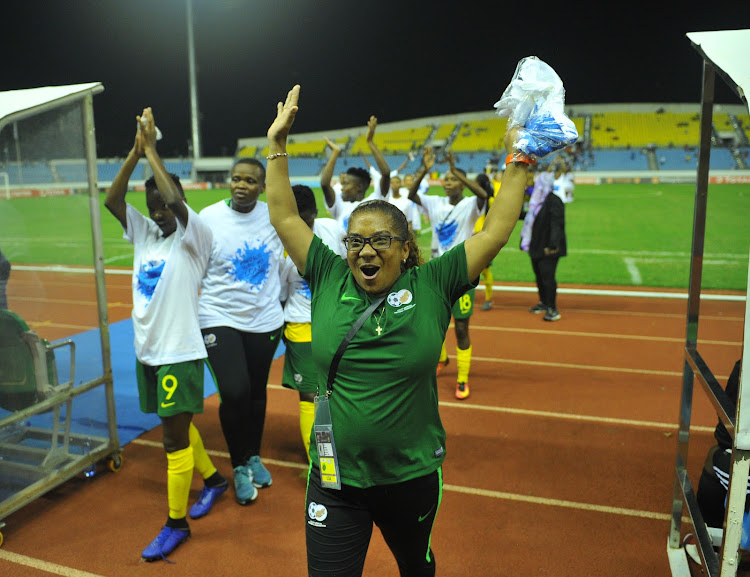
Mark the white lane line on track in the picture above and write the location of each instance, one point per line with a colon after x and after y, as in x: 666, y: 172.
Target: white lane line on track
x: 581, y: 367
x: 558, y: 503
x: 496, y: 287
x: 572, y: 417
x: 474, y: 491
x: 598, y: 335
x: 40, y: 565
x: 555, y: 415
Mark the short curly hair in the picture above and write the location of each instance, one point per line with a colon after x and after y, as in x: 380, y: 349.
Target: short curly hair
x: 152, y: 188
x: 400, y: 227
x: 361, y: 175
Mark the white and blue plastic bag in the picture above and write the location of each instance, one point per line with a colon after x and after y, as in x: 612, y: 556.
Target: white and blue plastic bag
x: 535, y: 100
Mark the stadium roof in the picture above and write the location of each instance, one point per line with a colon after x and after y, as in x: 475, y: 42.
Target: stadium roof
x: 16, y: 105
x: 727, y: 50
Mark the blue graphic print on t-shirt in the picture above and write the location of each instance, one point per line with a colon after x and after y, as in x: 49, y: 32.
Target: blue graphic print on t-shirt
x: 148, y: 277
x: 301, y: 288
x: 447, y: 232
x: 251, y: 265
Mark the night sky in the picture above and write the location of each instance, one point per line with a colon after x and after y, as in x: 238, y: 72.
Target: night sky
x: 396, y: 60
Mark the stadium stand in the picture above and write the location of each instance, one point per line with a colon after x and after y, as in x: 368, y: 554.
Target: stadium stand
x: 36, y: 173
x: 181, y: 168
x: 612, y: 137
x: 394, y: 141
x: 444, y: 132
x: 480, y: 135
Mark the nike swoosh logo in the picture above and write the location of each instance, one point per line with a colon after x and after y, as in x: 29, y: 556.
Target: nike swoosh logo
x: 423, y: 517
x: 273, y: 337
x: 165, y: 405
x: 346, y: 298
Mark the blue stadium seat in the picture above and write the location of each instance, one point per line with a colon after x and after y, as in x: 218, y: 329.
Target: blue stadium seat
x: 614, y: 159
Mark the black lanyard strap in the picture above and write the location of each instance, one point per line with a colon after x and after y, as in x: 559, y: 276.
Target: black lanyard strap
x: 347, y: 339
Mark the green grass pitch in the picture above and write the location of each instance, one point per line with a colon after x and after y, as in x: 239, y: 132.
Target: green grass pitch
x: 618, y: 234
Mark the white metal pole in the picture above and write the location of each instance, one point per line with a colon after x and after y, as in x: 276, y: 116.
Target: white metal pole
x: 194, y: 114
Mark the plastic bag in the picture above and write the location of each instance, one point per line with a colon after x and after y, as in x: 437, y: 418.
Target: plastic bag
x: 535, y: 99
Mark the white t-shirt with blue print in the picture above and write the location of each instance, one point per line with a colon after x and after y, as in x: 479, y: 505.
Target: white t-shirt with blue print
x: 294, y: 289
x: 341, y: 210
x: 451, y: 224
x: 241, y: 286
x: 166, y: 276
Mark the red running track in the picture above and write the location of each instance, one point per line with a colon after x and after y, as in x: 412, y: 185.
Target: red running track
x: 560, y: 463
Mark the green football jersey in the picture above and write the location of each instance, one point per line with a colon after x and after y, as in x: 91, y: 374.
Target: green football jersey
x: 384, y: 403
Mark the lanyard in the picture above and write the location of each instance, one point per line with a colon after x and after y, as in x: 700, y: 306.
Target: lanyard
x: 345, y: 343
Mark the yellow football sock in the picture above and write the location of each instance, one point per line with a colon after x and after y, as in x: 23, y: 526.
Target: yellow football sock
x: 203, y: 463
x: 463, y: 364
x: 306, y: 419
x: 443, y: 353
x: 179, y: 475
x: 488, y: 280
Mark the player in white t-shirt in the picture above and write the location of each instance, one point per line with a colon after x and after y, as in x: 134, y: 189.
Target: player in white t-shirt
x: 339, y: 185
x: 241, y: 318
x: 357, y: 181
x: 171, y: 251
x: 399, y: 196
x: 375, y: 173
x: 452, y: 218
x: 299, y: 369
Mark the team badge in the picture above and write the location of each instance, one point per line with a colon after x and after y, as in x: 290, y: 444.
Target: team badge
x: 402, y: 297
x: 317, y: 512
x: 209, y: 339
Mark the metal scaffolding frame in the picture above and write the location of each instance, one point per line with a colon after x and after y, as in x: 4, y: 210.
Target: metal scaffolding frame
x: 56, y: 455
x: 724, y: 54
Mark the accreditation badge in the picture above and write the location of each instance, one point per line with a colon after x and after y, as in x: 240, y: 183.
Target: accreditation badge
x: 327, y: 460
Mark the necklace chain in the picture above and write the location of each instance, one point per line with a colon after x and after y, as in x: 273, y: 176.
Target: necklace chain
x: 379, y: 329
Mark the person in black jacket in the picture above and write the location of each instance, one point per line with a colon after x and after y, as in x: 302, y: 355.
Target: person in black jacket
x: 543, y: 237
x: 714, y: 481
x: 4, y: 275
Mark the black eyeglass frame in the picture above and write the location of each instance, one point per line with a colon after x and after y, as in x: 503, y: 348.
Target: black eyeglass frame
x: 368, y: 240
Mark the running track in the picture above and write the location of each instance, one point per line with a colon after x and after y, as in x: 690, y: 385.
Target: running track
x: 560, y: 463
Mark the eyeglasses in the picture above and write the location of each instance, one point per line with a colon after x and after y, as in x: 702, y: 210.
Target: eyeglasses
x: 378, y: 242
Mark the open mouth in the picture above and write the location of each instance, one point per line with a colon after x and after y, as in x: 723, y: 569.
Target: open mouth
x: 369, y: 271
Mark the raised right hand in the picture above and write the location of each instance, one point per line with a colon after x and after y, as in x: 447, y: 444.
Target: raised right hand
x: 138, y: 150
x: 428, y: 158
x: 332, y: 145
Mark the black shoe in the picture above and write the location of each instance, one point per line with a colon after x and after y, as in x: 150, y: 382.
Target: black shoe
x: 538, y: 309
x: 552, y: 315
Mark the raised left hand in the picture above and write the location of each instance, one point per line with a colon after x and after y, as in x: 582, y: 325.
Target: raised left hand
x: 285, y: 113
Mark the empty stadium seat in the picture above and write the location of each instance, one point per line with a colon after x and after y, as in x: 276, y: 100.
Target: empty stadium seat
x: 28, y: 373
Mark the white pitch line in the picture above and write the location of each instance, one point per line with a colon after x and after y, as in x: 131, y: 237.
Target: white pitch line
x: 125, y: 257
x: 67, y: 269
x: 635, y: 274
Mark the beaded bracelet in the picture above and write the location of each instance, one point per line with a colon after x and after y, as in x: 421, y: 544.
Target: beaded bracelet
x: 520, y: 157
x: 276, y: 155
